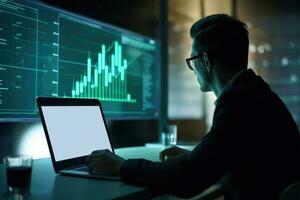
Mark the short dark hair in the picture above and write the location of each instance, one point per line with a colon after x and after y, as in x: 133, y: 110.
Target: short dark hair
x: 225, y: 37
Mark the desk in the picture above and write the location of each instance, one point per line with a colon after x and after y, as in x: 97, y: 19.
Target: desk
x: 46, y: 185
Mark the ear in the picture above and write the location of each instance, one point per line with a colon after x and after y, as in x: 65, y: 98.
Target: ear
x: 206, y: 61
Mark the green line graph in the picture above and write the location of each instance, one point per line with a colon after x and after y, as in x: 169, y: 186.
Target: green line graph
x: 106, y: 79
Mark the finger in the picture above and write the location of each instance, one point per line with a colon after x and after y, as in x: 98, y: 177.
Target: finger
x: 93, y: 155
x: 91, y: 167
x: 107, y: 151
x: 169, y: 152
x: 99, y: 151
x: 163, y: 154
x: 170, y: 158
x: 93, y: 158
x: 99, y: 167
x: 102, y: 151
x: 99, y: 154
x: 96, y: 159
x: 94, y: 166
x: 95, y: 170
x: 90, y: 158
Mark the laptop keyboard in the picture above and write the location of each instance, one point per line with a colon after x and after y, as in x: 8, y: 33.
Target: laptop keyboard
x: 85, y: 169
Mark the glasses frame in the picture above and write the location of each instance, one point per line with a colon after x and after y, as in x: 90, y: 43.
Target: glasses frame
x: 190, y: 59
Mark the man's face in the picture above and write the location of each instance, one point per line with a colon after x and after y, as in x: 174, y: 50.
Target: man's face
x: 202, y: 74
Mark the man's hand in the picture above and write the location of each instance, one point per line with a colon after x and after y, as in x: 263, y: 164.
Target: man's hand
x: 172, y: 152
x: 104, y: 162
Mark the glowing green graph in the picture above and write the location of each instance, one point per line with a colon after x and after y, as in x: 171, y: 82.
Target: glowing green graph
x: 42, y: 55
x: 105, y: 80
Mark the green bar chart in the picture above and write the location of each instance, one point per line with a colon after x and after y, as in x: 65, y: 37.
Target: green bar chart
x: 105, y: 78
x: 42, y: 55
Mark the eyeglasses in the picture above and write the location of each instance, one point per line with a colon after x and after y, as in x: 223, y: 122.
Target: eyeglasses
x: 191, y: 61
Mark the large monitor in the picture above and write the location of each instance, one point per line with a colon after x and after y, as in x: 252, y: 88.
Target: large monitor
x: 45, y: 51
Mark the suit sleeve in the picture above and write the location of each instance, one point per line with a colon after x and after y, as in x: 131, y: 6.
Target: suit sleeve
x: 188, y: 175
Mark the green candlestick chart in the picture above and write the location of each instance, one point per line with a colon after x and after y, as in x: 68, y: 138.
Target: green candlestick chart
x: 106, y: 79
x: 42, y: 55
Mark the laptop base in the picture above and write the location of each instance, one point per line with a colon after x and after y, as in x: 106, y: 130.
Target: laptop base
x: 88, y: 175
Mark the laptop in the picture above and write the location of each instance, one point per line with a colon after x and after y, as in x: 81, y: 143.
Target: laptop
x: 74, y: 128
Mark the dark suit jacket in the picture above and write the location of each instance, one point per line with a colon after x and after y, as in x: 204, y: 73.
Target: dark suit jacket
x: 253, y: 139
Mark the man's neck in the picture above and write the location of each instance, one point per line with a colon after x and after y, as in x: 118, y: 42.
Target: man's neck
x: 220, y: 80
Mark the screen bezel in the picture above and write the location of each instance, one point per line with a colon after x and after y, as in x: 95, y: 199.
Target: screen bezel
x: 50, y: 101
x: 114, y: 28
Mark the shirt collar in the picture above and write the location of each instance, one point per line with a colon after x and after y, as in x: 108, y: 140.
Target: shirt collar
x: 228, y: 85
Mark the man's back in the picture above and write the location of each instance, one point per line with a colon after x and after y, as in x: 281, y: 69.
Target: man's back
x: 267, y: 140
x: 253, y: 139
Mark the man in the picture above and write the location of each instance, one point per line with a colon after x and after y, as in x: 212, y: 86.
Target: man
x: 253, y: 140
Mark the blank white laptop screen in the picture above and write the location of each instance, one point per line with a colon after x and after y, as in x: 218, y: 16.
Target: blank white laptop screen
x: 75, y: 131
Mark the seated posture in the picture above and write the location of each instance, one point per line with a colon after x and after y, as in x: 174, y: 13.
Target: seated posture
x: 253, y: 141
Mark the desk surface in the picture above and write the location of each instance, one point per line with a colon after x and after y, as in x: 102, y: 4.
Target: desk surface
x: 45, y: 184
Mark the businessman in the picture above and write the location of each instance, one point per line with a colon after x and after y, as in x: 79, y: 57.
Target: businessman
x: 253, y: 139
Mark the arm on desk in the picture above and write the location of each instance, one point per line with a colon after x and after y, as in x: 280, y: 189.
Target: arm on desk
x: 188, y: 175
x: 184, y: 176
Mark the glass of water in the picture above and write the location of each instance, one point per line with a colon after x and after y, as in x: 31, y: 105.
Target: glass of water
x: 18, y: 173
x: 169, y: 135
